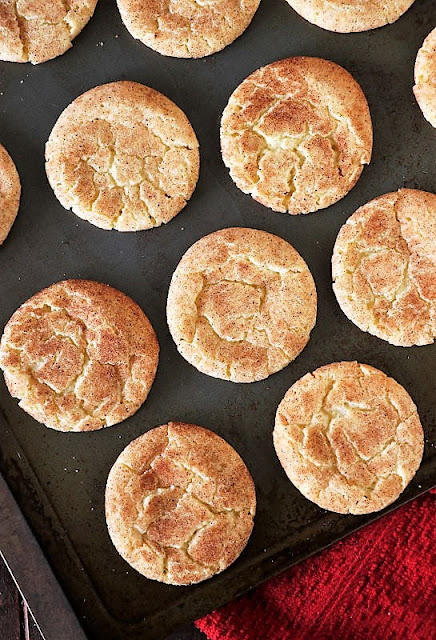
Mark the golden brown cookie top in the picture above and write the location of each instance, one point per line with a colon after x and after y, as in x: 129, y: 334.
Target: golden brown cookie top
x: 348, y: 437
x: 425, y: 78
x: 180, y: 504
x: 187, y: 28
x: 241, y: 304
x: 346, y: 16
x: 79, y: 355
x: 384, y: 267
x: 296, y: 134
x: 10, y: 191
x: 123, y: 156
x: 38, y: 30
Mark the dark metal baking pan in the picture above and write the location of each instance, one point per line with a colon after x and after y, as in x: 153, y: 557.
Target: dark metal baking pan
x: 58, y: 479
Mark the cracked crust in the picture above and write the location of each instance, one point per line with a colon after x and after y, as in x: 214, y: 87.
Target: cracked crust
x: 79, y: 355
x: 10, y: 191
x: 180, y: 504
x: 187, y: 28
x: 348, y: 437
x: 39, y: 30
x: 346, y: 16
x: 425, y: 78
x: 241, y: 304
x: 384, y: 267
x: 124, y: 157
x: 296, y: 134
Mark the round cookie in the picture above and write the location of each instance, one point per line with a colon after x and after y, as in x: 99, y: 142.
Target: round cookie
x: 10, y: 191
x: 187, y: 29
x: 346, y: 16
x: 241, y: 304
x: 79, y: 355
x: 180, y: 504
x: 348, y: 437
x: 384, y: 267
x: 296, y: 134
x: 123, y: 156
x: 425, y: 78
x: 38, y: 30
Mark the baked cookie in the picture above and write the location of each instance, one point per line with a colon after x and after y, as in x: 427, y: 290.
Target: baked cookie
x: 425, y: 78
x: 38, y: 30
x: 186, y: 28
x: 123, y: 156
x: 180, y: 504
x: 346, y: 16
x: 79, y: 355
x: 10, y: 191
x: 348, y: 437
x: 296, y: 134
x: 384, y: 267
x: 241, y: 304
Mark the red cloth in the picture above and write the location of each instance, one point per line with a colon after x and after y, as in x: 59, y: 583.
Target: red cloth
x: 377, y: 584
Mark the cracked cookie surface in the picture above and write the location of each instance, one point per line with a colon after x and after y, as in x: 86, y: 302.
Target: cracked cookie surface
x: 10, y: 191
x: 346, y: 16
x: 79, y: 355
x: 187, y: 28
x: 180, y: 504
x: 296, y: 134
x: 124, y: 157
x: 241, y: 304
x: 38, y: 30
x: 425, y: 78
x: 349, y: 437
x: 384, y: 267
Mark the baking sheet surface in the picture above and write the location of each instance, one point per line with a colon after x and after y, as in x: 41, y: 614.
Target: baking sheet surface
x: 58, y: 479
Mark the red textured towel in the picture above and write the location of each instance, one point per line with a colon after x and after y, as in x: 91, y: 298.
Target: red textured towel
x: 377, y: 584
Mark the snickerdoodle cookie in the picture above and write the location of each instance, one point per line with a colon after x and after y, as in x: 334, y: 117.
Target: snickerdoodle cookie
x: 425, y: 78
x: 187, y: 28
x: 384, y: 267
x: 79, y: 355
x: 348, y: 437
x: 123, y: 156
x: 241, y: 304
x: 180, y: 504
x: 38, y: 30
x: 296, y: 134
x: 346, y: 16
x: 10, y: 191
